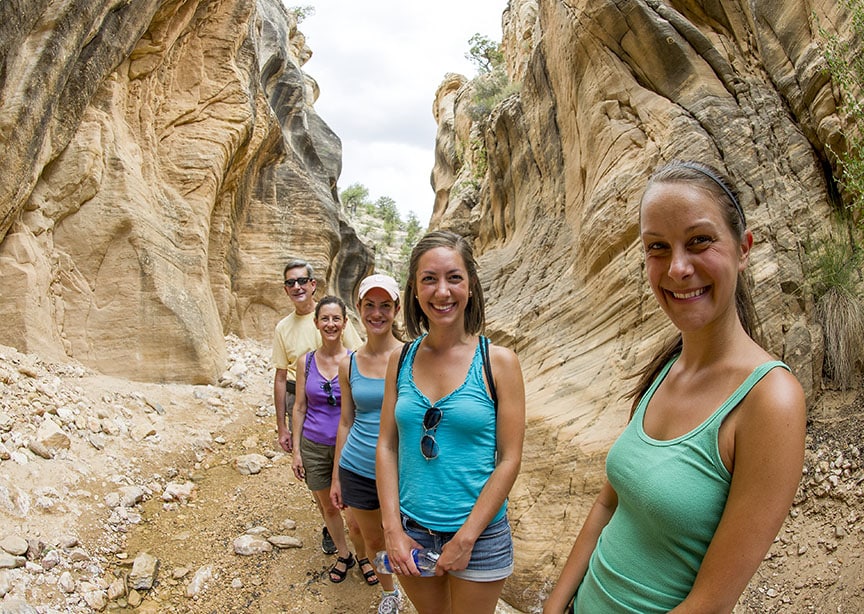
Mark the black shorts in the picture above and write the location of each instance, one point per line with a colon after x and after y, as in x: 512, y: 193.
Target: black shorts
x: 358, y: 491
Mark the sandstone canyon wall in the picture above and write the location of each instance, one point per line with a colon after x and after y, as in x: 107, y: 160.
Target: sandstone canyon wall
x: 162, y: 161
x: 550, y: 182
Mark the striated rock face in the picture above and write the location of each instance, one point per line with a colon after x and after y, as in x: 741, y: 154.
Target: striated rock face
x: 163, y: 161
x: 610, y: 90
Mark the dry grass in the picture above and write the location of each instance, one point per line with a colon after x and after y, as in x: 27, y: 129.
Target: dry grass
x: 842, y: 317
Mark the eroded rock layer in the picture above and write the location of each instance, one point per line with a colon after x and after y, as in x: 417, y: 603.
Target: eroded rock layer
x: 163, y: 161
x: 550, y: 184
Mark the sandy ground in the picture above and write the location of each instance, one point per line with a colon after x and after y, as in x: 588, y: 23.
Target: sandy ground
x: 179, y: 434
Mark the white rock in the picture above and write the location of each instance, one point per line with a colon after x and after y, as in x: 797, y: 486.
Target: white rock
x: 116, y: 589
x: 285, y: 541
x: 131, y: 495
x: 179, y: 572
x: 10, y: 561
x: 199, y: 581
x: 5, y: 583
x: 51, y: 559
x: 247, y: 545
x: 66, y: 415
x: 77, y: 555
x: 143, y: 573
x: 66, y: 583
x: 51, y: 435
x: 250, y: 464
x: 178, y: 492
x: 96, y: 600
x: 17, y: 606
x: 112, y: 500
x: 134, y: 598
x: 14, y: 544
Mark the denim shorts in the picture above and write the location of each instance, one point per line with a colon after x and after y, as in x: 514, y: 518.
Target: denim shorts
x: 491, y: 558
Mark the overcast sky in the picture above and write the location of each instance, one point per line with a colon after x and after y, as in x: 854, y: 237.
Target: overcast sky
x: 378, y: 65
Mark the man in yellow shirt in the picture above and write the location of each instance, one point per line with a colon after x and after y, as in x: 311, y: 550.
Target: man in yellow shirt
x: 295, y: 335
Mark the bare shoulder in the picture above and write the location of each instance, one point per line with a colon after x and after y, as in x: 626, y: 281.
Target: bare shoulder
x: 778, y: 397
x: 503, y: 358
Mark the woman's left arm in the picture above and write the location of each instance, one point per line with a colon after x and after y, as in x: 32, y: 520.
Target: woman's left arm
x: 768, y: 458
x: 510, y: 430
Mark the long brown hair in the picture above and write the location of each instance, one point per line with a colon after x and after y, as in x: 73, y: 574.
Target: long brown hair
x: 718, y: 184
x: 416, y: 321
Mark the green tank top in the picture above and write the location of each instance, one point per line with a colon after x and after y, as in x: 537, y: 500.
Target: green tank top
x: 671, y: 495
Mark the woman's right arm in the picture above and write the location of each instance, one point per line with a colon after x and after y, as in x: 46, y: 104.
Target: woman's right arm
x: 577, y: 563
x: 299, y: 417
x: 399, y: 545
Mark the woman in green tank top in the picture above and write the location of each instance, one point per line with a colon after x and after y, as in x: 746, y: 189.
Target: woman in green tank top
x: 715, y: 445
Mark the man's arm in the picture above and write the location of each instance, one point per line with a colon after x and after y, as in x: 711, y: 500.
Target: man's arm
x: 279, y: 383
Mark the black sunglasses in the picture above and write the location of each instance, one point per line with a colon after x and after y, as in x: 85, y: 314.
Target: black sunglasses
x: 428, y: 445
x: 328, y: 388
x: 289, y: 283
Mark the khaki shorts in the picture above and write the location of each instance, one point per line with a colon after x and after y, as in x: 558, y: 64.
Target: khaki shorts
x: 318, y: 462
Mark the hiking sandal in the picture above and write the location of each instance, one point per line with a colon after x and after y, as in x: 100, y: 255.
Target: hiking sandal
x: 336, y: 574
x: 370, y: 576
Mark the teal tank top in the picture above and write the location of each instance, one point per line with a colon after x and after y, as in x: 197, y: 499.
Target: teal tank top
x: 440, y: 493
x: 358, y: 453
x: 671, y: 495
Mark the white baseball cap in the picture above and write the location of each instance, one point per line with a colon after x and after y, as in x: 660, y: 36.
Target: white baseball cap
x: 378, y: 280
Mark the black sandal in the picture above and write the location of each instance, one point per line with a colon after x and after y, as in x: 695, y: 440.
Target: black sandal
x: 370, y: 576
x: 339, y: 574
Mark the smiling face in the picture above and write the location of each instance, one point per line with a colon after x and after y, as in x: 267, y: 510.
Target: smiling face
x: 330, y: 321
x: 377, y: 311
x: 302, y: 295
x: 692, y: 256
x: 442, y: 286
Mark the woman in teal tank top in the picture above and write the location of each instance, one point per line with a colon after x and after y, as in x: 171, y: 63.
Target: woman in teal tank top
x: 448, y: 453
x: 715, y: 444
x: 361, y: 378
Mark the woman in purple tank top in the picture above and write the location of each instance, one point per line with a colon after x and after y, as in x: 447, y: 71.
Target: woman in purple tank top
x: 317, y: 408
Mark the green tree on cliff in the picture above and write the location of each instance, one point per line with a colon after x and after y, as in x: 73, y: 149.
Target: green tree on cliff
x: 484, y: 53
x: 491, y: 85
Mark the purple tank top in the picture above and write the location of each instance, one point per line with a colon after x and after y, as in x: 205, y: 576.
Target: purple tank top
x: 323, y: 405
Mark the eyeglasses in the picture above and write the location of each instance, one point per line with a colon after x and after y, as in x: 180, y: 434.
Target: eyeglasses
x: 302, y: 281
x: 428, y: 445
x: 328, y: 388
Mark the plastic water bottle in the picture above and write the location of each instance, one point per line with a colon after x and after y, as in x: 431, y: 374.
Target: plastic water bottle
x: 424, y: 558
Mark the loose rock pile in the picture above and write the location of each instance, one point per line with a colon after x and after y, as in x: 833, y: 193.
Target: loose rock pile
x: 74, y: 448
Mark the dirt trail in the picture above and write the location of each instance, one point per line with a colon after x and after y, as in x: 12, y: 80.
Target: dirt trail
x: 227, y: 504
x: 125, y: 434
